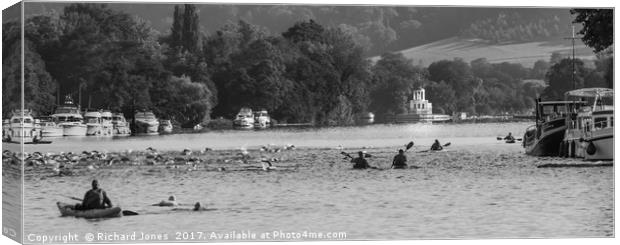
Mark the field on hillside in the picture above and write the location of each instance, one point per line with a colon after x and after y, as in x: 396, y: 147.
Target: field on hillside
x: 470, y: 49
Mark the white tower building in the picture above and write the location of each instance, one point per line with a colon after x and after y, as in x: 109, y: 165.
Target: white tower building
x: 418, y: 103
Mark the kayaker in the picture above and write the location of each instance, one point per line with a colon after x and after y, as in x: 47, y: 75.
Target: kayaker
x: 400, y: 160
x: 436, y: 146
x: 360, y: 162
x: 509, y: 137
x: 95, y: 198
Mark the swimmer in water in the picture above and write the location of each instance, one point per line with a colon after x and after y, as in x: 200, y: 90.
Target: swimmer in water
x: 171, y: 202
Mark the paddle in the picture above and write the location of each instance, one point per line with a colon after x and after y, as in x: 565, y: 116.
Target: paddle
x: 407, y: 147
x: 125, y: 212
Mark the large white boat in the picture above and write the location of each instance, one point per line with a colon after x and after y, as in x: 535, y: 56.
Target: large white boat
x: 145, y: 122
x: 107, y: 127
x: 50, y: 128
x: 165, y: 126
x: 21, y: 128
x: 120, y: 125
x: 244, y: 119
x: 590, y: 126
x: 262, y: 119
x: 93, y: 123
x: 69, y: 117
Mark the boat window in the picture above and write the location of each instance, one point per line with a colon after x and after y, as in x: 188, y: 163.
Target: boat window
x: 28, y: 120
x: 16, y: 120
x: 611, y: 121
x: 600, y: 122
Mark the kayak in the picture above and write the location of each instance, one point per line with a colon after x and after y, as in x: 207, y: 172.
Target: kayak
x: 69, y: 210
x: 510, y: 141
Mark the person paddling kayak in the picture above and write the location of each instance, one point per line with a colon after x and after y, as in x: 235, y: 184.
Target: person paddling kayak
x: 436, y: 146
x: 509, y: 137
x: 360, y: 161
x: 95, y: 198
x: 400, y: 160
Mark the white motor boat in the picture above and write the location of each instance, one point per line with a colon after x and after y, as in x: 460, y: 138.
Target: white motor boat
x: 69, y: 117
x: 262, y: 119
x: 93, y: 123
x: 120, y: 125
x: 590, y: 132
x: 49, y: 128
x: 146, y: 123
x: 165, y: 126
x: 21, y: 128
x: 107, y: 127
x: 244, y: 119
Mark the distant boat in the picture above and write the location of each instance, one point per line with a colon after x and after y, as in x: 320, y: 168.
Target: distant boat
x: 244, y: 119
x: 120, y: 125
x: 107, y: 126
x: 93, y: 123
x: 165, y: 126
x: 146, y: 123
x: 262, y: 119
x: 590, y: 127
x: 69, y: 117
x: 21, y: 128
x: 50, y: 128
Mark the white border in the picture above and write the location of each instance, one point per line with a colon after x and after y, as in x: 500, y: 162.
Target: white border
x: 527, y: 3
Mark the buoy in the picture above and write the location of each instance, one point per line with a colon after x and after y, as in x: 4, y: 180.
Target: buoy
x: 591, y: 149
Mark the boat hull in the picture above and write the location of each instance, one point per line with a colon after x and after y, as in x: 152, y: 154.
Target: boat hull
x: 600, y: 147
x: 74, y: 130
x: 68, y: 210
x: 146, y: 127
x: 547, y: 144
x: 52, y: 131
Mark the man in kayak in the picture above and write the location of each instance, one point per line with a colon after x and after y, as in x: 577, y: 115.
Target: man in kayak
x: 509, y: 137
x: 436, y: 146
x: 95, y: 198
x: 400, y: 160
x: 360, y: 161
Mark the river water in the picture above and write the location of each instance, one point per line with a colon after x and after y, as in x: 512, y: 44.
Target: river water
x: 478, y: 188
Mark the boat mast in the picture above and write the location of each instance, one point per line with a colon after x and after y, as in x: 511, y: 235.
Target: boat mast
x: 572, y: 38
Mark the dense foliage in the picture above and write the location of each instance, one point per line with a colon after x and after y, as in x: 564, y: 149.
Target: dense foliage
x: 309, y: 72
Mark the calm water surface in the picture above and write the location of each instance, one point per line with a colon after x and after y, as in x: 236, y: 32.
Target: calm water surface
x: 480, y: 188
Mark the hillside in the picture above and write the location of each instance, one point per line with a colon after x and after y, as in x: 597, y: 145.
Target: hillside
x: 470, y: 49
x: 379, y: 28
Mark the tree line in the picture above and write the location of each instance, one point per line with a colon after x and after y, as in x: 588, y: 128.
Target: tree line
x: 308, y: 73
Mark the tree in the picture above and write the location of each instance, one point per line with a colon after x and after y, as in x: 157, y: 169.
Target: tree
x: 598, y: 27
x: 394, y: 79
x: 560, y: 78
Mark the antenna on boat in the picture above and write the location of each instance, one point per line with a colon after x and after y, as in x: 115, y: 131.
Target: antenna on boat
x: 572, y: 38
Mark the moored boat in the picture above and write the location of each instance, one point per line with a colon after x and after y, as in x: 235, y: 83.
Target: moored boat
x: 21, y: 128
x: 69, y: 210
x: 590, y: 133
x: 69, y: 117
x: 543, y: 138
x: 120, y: 125
x: 107, y: 127
x: 165, y: 126
x: 244, y: 119
x: 262, y: 119
x: 49, y: 128
x: 145, y: 122
x: 93, y: 123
